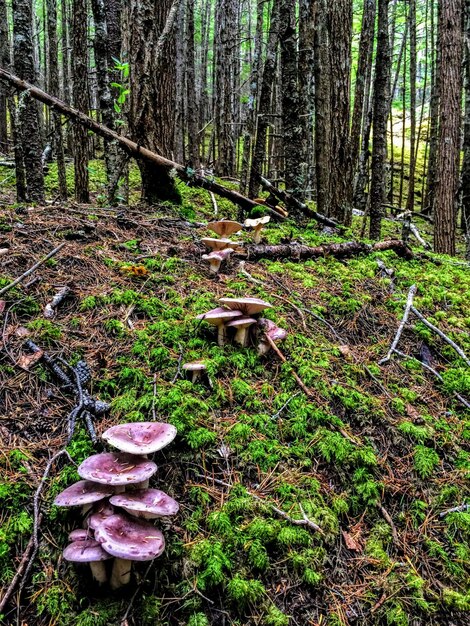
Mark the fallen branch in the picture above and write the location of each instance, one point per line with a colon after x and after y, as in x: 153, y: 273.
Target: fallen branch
x: 456, y: 509
x: 33, y: 268
x: 131, y: 147
x: 389, y: 521
x: 442, y: 335
x: 305, y: 521
x: 299, y: 381
x: 60, y: 296
x: 409, y: 304
x: 297, y: 204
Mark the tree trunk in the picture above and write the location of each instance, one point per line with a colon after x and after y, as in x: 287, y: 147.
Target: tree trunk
x: 191, y: 92
x: 28, y: 112
x: 466, y: 137
x: 450, y: 82
x: 54, y: 88
x: 292, y: 128
x: 434, y: 124
x: 80, y: 98
x: 269, y: 72
x: 411, y: 183
x: 363, y: 74
x: 4, y: 62
x: 322, y: 108
x: 380, y: 115
x: 152, y: 84
x: 307, y: 19
x: 340, y: 37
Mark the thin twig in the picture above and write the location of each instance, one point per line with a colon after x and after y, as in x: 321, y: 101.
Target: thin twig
x: 456, y: 509
x: 305, y: 521
x: 32, y: 269
x: 436, y: 374
x: 276, y: 415
x: 442, y: 335
x: 409, y: 304
x: 299, y: 381
x: 178, y: 370
x: 389, y: 521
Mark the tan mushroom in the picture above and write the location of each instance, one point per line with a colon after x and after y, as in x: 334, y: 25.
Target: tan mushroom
x: 216, y: 257
x: 221, y: 244
x: 257, y: 225
x: 224, y: 228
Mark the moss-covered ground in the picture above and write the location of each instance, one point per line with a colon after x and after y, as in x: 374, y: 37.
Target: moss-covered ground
x: 373, y: 455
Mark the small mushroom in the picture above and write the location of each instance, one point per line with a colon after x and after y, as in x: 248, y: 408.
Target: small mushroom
x: 196, y: 367
x: 97, y: 517
x: 216, y: 257
x: 270, y: 329
x: 218, y: 317
x: 241, y: 325
x: 140, y: 438
x: 83, y: 493
x: 221, y: 244
x: 89, y: 551
x: 128, y: 540
x: 248, y: 306
x: 257, y: 224
x: 224, y: 228
x: 80, y: 534
x: 146, y: 503
x: 117, y: 468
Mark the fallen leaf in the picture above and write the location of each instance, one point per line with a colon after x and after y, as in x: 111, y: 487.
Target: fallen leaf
x: 21, y: 331
x: 26, y: 360
x: 351, y: 543
x: 412, y: 412
x: 2, y: 305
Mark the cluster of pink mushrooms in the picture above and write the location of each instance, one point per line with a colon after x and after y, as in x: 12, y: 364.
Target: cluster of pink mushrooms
x: 241, y: 316
x: 116, y: 501
x: 223, y: 247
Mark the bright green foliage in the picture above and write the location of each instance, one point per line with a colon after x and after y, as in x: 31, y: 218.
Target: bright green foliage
x: 425, y: 461
x: 244, y: 593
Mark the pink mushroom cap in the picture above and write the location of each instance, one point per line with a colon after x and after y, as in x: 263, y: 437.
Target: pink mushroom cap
x: 140, y: 437
x: 86, y: 552
x: 147, y: 503
x: 83, y: 492
x: 116, y: 468
x: 248, y: 306
x: 130, y: 539
x: 97, y: 517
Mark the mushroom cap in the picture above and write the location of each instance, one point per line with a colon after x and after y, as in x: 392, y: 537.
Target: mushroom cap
x: 195, y: 366
x: 80, y: 534
x: 252, y: 223
x: 220, y: 244
x: 140, y: 437
x: 270, y: 328
x: 86, y: 552
x: 248, y: 306
x: 130, y: 539
x: 147, y: 501
x: 220, y: 255
x: 219, y: 315
x: 97, y: 517
x: 83, y: 492
x: 116, y: 468
x: 241, y: 321
x: 224, y: 228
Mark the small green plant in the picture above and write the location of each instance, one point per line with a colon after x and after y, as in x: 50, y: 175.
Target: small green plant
x: 425, y: 461
x: 244, y: 593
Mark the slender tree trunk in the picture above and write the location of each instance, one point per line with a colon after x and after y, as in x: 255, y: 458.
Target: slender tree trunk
x: 434, y: 115
x: 450, y: 82
x: 262, y: 125
x: 411, y: 183
x: 340, y: 31
x: 380, y: 115
x: 54, y: 89
x: 152, y: 83
x: 28, y: 112
x: 4, y: 62
x: 466, y: 138
x: 180, y: 101
x: 364, y: 72
x: 80, y: 98
x: 322, y: 108
x: 191, y: 91
x: 307, y: 19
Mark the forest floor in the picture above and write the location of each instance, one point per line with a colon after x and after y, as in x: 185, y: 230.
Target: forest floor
x: 373, y: 455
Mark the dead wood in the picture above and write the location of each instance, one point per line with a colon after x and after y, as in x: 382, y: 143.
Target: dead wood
x: 131, y: 147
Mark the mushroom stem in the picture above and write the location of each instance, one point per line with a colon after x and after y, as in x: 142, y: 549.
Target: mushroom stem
x: 196, y: 376
x: 214, y: 266
x: 121, y: 574
x: 98, y: 571
x: 263, y: 348
x: 142, y: 485
x: 221, y: 334
x: 257, y: 236
x: 241, y: 336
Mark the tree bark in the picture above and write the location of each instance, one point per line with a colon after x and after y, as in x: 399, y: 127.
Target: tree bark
x: 340, y: 37
x: 28, y: 113
x: 292, y: 128
x: 450, y: 81
x: 434, y: 123
x: 152, y: 85
x: 307, y: 19
x: 410, y: 201
x: 191, y: 92
x: 380, y: 115
x: 4, y: 62
x: 54, y: 88
x: 80, y: 98
x: 465, y: 178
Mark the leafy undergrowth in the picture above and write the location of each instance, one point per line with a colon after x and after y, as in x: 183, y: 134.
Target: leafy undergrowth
x: 372, y: 456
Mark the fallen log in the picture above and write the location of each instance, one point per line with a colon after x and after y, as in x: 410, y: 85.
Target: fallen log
x: 297, y: 252
x: 131, y: 147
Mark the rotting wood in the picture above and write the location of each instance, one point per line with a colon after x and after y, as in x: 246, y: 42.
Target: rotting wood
x: 131, y: 147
